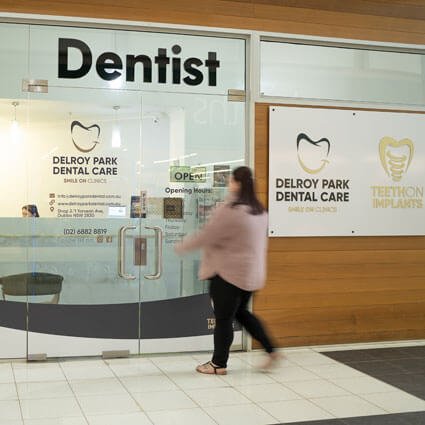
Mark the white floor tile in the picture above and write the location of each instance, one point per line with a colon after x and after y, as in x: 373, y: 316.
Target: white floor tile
x: 206, y: 357
x: 50, y: 408
x: 347, y: 347
x: 6, y: 373
x: 85, y: 372
x: 257, y: 359
x: 310, y: 358
x: 56, y: 421
x: 35, y: 365
x: 236, y: 363
x: 306, y: 386
x: 37, y: 390
x: 97, y: 386
x: 267, y: 392
x: 292, y: 373
x: 397, y: 402
x: 39, y: 374
x: 296, y: 350
x: 334, y: 371
x: 364, y: 385
x: 8, y: 392
x: 316, y: 388
x: 143, y: 384
x: 160, y: 360
x: 164, y: 400
x: 197, y: 380
x: 104, y: 404
x: 247, y: 378
x: 249, y: 414
x: 131, y: 361
x: 410, y: 343
x: 368, y: 345
x: 295, y: 411
x: 135, y: 369
x: 128, y: 361
x: 178, y: 366
x: 83, y: 364
x: 326, y: 349
x: 181, y: 417
x: 348, y: 406
x: 217, y: 397
x: 9, y: 410
x: 138, y: 418
x: 249, y: 355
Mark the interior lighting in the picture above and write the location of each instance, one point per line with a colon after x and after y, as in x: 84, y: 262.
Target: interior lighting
x: 234, y: 161
x: 15, y: 131
x: 175, y: 159
x: 116, y: 135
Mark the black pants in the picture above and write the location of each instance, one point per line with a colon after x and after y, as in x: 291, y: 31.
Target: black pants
x: 230, y: 302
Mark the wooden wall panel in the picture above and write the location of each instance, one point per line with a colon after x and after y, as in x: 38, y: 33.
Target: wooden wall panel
x: 329, y: 290
x: 379, y: 20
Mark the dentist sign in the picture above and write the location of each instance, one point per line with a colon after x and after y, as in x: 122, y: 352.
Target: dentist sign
x: 336, y: 172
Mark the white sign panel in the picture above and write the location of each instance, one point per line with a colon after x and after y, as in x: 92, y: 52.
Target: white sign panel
x: 346, y: 172
x: 95, y: 58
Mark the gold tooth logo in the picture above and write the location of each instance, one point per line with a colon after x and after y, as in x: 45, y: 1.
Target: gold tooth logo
x: 302, y: 137
x: 79, y: 125
x: 395, y: 165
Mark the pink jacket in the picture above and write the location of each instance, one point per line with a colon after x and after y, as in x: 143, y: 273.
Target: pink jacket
x: 234, y: 246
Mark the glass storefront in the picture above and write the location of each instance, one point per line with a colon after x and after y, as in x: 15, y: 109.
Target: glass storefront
x: 121, y: 142
x: 122, y: 148
x: 342, y: 73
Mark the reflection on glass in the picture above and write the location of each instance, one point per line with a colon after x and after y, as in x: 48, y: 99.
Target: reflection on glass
x: 79, y: 213
x: 78, y: 164
x: 189, y: 144
x: 319, y: 72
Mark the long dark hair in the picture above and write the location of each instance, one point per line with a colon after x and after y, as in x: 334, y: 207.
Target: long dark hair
x: 247, y: 196
x: 32, y: 209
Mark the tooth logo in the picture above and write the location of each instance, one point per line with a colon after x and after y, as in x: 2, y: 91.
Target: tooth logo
x: 396, y: 156
x: 313, y: 153
x: 87, y: 141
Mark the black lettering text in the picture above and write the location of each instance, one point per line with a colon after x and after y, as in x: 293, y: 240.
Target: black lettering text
x: 64, y: 45
x: 102, y: 66
x: 147, y: 67
x: 197, y: 76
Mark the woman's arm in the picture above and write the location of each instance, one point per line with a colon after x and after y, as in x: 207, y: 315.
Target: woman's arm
x: 215, y: 229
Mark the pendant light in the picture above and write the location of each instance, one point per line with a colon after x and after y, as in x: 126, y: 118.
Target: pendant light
x: 116, y: 135
x: 14, y: 127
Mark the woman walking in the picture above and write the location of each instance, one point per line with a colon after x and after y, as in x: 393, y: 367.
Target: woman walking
x: 234, y: 248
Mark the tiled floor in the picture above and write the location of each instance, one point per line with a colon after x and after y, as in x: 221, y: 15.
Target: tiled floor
x: 401, y: 367
x: 354, y: 386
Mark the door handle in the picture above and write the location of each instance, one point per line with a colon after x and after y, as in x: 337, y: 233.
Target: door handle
x: 158, y: 249
x: 121, y: 264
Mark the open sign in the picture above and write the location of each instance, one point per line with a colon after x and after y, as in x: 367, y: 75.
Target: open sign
x: 188, y: 174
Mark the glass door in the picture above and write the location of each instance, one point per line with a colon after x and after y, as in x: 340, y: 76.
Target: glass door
x: 15, y: 229
x: 127, y: 152
x: 84, y: 284
x: 190, y: 144
x: 118, y: 177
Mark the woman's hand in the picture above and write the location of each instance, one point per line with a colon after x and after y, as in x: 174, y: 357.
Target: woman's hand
x: 178, y: 249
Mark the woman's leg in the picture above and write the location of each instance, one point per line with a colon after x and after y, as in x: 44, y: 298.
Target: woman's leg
x: 251, y: 323
x: 226, y: 301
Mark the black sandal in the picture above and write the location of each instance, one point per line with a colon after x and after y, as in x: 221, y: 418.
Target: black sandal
x: 209, y: 368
